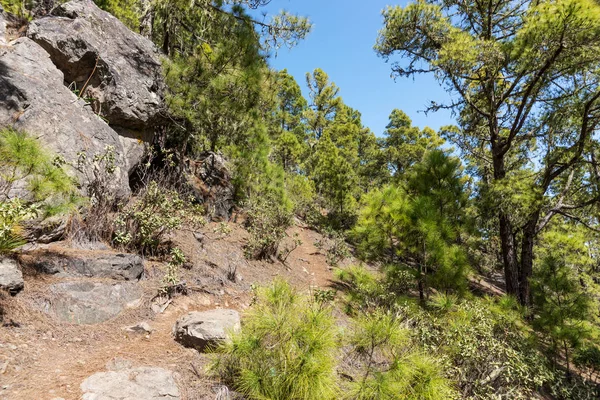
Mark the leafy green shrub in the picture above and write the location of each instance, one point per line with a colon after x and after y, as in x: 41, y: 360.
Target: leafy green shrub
x: 286, y: 350
x: 302, y: 193
x: 171, y: 277
x: 267, y: 222
x: 155, y: 213
x: 12, y: 213
x: 338, y: 249
x: 488, y: 346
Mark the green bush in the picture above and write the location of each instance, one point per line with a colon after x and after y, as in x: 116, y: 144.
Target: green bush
x: 268, y: 218
x: 286, y: 349
x: 25, y: 165
x: 156, y: 212
x: 389, y: 368
x: 487, y: 344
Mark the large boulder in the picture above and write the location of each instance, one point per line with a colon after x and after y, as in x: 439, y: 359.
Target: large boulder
x: 144, y: 383
x: 34, y: 99
x: 207, y: 329
x: 122, y: 69
x: 88, y: 263
x: 11, y: 278
x: 85, y: 302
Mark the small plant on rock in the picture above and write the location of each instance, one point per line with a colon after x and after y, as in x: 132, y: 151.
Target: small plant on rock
x: 171, y: 279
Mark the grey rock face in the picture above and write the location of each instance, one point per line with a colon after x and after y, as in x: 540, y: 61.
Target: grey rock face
x: 93, y: 264
x: 11, y: 278
x: 207, y: 329
x: 123, y: 68
x: 144, y: 383
x: 34, y: 99
x: 83, y: 302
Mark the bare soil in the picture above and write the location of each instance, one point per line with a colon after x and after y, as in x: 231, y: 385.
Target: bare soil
x: 44, y: 359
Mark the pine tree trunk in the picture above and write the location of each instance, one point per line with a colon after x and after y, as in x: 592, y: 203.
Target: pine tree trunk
x: 526, y: 270
x: 507, y: 235
x: 509, y: 255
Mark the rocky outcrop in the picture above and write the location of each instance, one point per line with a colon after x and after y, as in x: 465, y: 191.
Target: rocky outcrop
x: 34, y: 99
x: 144, y: 383
x: 85, y: 302
x: 92, y: 264
x: 212, y: 184
x: 122, y: 69
x: 42, y: 77
x: 206, y: 330
x: 11, y: 278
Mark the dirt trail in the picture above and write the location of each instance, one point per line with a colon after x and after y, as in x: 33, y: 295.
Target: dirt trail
x: 44, y: 359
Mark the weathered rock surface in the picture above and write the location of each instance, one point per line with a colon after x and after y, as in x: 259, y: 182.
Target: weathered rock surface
x: 93, y: 264
x: 207, y: 329
x: 11, y: 278
x: 212, y: 184
x: 84, y: 302
x: 144, y: 383
x: 33, y: 98
x: 80, y: 45
x: 123, y: 68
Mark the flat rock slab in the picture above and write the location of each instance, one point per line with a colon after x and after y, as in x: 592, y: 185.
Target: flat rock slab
x: 143, y: 383
x: 11, y: 278
x: 92, y: 264
x: 87, y: 303
x: 207, y: 329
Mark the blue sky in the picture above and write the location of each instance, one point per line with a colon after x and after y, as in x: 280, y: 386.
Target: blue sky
x: 341, y: 44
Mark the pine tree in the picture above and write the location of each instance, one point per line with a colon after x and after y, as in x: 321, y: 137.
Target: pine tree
x: 324, y: 101
x: 404, y: 145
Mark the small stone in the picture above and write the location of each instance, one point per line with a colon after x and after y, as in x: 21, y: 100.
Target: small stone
x: 208, y: 329
x: 11, y: 277
x: 142, y: 327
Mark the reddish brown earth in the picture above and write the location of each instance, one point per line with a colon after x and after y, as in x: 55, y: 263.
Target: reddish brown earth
x: 43, y: 359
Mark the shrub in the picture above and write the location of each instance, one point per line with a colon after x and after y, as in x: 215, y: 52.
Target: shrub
x: 25, y: 165
x: 389, y: 368
x: 156, y: 212
x: 488, y: 346
x: 286, y: 350
x: 302, y: 193
x: 171, y: 277
x: 268, y: 219
x: 12, y: 213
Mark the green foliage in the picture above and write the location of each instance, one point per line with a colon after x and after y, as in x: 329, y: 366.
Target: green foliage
x: 286, y: 349
x: 390, y: 370
x: 529, y: 146
x: 561, y: 307
x: 171, y: 277
x: 156, y: 212
x: 335, y: 178
x: 404, y: 144
x: 419, y: 229
x: 325, y: 101
x: 12, y: 213
x: 25, y: 165
x: 489, y: 348
x: 128, y: 11
x: 267, y: 220
x: 302, y: 193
